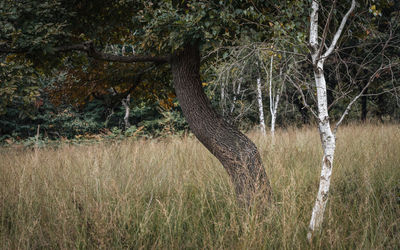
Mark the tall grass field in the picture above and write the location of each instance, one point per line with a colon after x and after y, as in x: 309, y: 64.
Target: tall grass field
x: 173, y: 194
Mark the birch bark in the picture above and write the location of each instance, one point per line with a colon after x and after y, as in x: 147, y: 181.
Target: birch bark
x: 260, y: 106
x: 274, y: 102
x: 274, y: 112
x: 328, y: 142
x: 328, y: 138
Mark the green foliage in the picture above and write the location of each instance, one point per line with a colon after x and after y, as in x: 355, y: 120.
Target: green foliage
x: 65, y: 121
x: 169, y: 122
x: 19, y: 84
x: 167, y: 25
x: 81, y: 87
x: 32, y: 24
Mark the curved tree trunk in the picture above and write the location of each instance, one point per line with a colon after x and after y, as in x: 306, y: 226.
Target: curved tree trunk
x: 234, y: 150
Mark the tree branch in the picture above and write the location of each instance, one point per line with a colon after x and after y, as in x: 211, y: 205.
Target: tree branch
x: 135, y: 80
x: 303, y: 98
x: 92, y: 52
x: 371, y: 79
x: 340, y: 30
x: 326, y: 28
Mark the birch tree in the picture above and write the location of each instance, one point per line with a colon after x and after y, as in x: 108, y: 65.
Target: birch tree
x: 317, y: 44
x: 327, y: 135
x: 273, y: 101
x: 274, y: 98
x: 260, y: 101
x: 240, y: 79
x: 260, y: 106
x: 275, y: 90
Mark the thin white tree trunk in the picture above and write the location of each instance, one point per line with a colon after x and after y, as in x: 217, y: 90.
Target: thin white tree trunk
x: 126, y: 103
x: 274, y: 102
x: 328, y: 145
x: 260, y: 106
x: 274, y: 113
x: 328, y: 139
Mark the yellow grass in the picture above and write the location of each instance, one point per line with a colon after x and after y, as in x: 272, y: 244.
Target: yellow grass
x: 174, y: 194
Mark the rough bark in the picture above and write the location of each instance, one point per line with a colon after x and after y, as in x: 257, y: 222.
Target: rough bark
x: 238, y: 155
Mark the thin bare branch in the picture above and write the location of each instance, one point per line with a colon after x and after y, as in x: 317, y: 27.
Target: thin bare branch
x: 326, y: 28
x: 303, y: 98
x: 339, y: 30
x: 371, y: 79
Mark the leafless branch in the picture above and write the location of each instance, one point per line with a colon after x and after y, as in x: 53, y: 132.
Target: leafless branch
x: 303, y: 98
x: 326, y: 28
x: 339, y: 30
x: 371, y: 79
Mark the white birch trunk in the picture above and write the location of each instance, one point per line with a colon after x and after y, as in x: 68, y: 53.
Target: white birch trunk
x: 328, y: 139
x: 272, y: 106
x: 126, y: 104
x: 260, y: 106
x: 328, y: 146
x: 273, y: 114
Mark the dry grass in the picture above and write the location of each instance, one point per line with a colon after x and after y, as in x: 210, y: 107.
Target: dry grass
x: 173, y: 194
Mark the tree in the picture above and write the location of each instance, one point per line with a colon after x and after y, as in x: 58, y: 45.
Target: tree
x: 234, y: 74
x: 246, y: 64
x: 166, y: 32
x: 317, y: 46
x: 260, y: 102
x: 275, y: 92
x: 328, y: 138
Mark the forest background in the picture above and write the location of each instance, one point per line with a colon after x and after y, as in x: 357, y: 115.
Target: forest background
x: 82, y: 98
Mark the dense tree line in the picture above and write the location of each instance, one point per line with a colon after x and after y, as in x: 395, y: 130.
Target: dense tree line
x: 84, y: 95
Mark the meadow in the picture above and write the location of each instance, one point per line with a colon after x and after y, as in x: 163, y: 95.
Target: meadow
x: 173, y: 194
